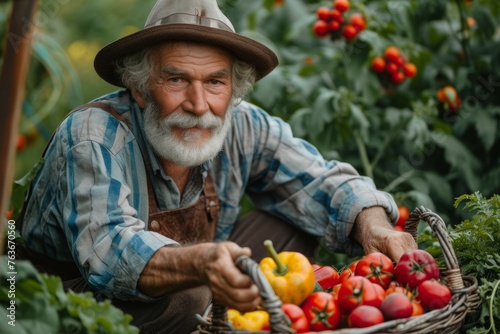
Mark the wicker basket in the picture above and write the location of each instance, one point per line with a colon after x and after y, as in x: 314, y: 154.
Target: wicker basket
x: 465, y: 297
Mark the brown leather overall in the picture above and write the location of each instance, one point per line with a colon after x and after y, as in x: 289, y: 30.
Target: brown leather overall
x: 189, y: 225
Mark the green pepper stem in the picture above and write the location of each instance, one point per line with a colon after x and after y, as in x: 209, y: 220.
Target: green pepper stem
x: 281, y: 268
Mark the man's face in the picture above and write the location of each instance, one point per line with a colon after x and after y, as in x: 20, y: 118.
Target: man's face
x: 188, y: 112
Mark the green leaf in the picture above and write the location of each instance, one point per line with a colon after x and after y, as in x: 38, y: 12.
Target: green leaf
x: 486, y: 127
x: 461, y: 159
x: 485, y: 21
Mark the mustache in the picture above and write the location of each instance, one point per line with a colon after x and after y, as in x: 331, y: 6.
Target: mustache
x: 186, y: 120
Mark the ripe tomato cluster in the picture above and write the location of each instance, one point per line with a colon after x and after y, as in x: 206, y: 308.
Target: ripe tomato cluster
x: 393, y: 66
x: 335, y: 22
x: 369, y: 291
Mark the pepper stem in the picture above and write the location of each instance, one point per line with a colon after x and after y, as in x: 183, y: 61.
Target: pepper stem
x: 281, y: 268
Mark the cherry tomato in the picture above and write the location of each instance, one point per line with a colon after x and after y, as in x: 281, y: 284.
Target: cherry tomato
x: 414, y: 267
x: 320, y: 28
x: 365, y: 316
x: 358, y: 21
x: 410, y: 70
x: 337, y: 16
x: 334, y: 25
x: 323, y: 13
x: 392, y: 53
x: 349, y: 32
x: 321, y: 311
x: 404, y: 213
x: 377, y: 267
x: 391, y: 67
x: 341, y: 5
x: 433, y: 295
x: 355, y: 291
x: 398, y: 77
x: 21, y: 142
x: 378, y: 64
x: 396, y: 306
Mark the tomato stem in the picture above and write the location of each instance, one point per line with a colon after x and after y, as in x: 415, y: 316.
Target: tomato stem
x: 281, y: 268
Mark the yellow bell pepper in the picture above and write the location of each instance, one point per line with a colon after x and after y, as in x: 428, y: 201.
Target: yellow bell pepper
x: 253, y: 320
x: 289, y: 273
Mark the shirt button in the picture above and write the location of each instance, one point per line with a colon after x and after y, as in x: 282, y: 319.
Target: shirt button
x: 154, y: 225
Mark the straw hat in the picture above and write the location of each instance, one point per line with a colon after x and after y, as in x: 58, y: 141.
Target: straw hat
x: 185, y: 20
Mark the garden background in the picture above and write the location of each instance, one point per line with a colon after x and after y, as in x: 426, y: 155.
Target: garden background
x: 427, y: 138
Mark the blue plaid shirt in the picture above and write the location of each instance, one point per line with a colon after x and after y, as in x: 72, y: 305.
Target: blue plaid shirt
x: 89, y: 202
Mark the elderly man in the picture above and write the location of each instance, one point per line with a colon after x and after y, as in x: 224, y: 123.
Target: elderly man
x: 138, y: 198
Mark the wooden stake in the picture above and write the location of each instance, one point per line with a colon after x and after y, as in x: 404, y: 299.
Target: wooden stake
x: 16, y: 60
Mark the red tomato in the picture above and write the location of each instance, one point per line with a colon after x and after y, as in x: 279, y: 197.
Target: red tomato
x: 337, y: 16
x: 341, y: 5
x: 21, y: 143
x: 433, y: 295
x: 398, y: 77
x: 378, y: 64
x: 358, y: 21
x: 414, y: 267
x: 396, y: 306
x: 377, y: 267
x: 349, y: 32
x: 365, y: 316
x: 320, y: 28
x: 417, y: 308
x: 410, y: 70
x: 334, y: 25
x: 395, y: 287
x: 323, y: 13
x: 344, y: 274
x: 321, y: 311
x: 297, y: 318
x: 404, y: 213
x: 391, y: 67
x: 326, y: 276
x: 335, y: 291
x: 392, y: 53
x: 355, y: 291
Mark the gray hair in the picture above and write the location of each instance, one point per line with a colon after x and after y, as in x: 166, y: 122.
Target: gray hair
x: 136, y: 71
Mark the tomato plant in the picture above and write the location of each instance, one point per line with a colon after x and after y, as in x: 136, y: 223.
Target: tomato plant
x: 322, y: 311
x: 414, y: 267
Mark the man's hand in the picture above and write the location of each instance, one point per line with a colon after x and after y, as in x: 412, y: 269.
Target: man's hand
x: 174, y: 268
x: 228, y: 284
x: 374, y: 232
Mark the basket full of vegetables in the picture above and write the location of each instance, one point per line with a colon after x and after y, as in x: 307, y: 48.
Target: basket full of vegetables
x: 371, y: 295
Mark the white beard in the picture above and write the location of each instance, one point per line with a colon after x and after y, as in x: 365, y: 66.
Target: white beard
x: 182, y: 151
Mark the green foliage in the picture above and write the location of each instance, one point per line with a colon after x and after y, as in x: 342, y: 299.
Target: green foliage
x: 42, y: 304
x: 476, y: 243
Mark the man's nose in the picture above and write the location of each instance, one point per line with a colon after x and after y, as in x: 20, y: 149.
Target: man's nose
x: 196, y: 100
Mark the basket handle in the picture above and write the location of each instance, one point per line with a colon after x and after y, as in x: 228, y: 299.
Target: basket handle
x: 438, y: 226
x: 271, y: 302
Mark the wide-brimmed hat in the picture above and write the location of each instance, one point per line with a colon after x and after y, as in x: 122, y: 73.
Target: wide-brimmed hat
x: 185, y: 20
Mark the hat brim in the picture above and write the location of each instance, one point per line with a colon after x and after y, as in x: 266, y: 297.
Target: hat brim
x: 244, y: 48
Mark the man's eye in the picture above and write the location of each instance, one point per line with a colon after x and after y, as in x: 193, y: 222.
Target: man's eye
x: 174, y: 80
x: 214, y: 82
